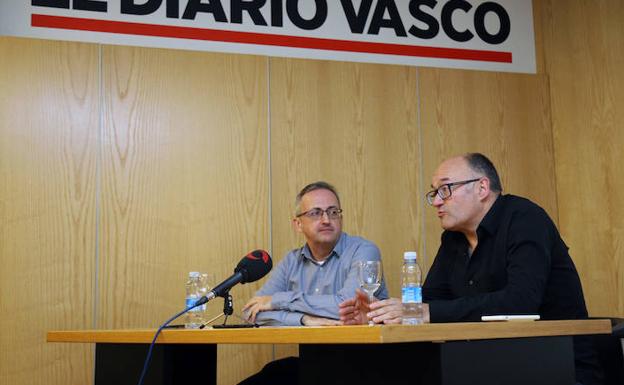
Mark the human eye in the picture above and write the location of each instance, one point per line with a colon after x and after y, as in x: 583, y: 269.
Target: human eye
x: 333, y: 211
x: 315, y: 213
x: 445, y: 190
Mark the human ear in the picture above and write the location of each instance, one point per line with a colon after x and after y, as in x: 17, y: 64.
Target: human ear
x: 296, y: 224
x: 484, y: 188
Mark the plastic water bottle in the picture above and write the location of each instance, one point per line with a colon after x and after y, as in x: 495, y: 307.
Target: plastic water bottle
x: 194, y: 317
x: 411, y: 291
x: 205, y: 282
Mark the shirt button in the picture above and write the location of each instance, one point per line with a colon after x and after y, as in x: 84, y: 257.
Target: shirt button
x: 470, y: 282
x: 316, y: 290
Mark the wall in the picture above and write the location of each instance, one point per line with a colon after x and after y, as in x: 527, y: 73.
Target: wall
x: 48, y: 183
x: 587, y: 97
x: 121, y: 169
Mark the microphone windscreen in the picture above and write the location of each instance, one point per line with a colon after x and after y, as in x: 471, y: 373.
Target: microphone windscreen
x: 254, y: 266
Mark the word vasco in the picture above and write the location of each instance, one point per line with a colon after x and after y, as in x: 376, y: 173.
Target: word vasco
x: 367, y: 18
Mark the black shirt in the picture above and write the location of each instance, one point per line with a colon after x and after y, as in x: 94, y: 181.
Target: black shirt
x: 520, y: 266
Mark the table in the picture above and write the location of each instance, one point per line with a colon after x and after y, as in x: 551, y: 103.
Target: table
x: 518, y: 352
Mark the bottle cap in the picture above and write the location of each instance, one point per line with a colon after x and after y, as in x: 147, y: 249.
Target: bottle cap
x: 409, y: 255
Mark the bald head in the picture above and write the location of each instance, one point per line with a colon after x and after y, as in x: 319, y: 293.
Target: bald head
x: 452, y: 170
x: 480, y: 164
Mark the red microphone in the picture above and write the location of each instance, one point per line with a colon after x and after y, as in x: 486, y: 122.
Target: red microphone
x: 251, y: 268
x: 254, y: 266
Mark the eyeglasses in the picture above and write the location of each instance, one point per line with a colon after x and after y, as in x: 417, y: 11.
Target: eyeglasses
x: 317, y: 213
x: 445, y: 191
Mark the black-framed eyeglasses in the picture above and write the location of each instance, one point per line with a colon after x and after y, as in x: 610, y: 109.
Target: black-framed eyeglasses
x: 445, y: 191
x: 316, y: 213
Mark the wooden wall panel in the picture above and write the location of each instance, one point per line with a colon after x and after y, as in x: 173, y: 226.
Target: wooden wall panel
x: 505, y: 116
x: 355, y: 126
x: 48, y: 130
x: 584, y: 62
x: 184, y: 183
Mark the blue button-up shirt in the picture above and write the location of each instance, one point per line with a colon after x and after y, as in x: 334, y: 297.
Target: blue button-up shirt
x: 300, y: 285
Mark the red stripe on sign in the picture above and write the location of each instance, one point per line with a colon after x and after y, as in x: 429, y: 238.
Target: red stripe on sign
x: 122, y: 27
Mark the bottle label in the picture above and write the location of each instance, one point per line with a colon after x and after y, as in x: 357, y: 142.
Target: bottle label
x: 190, y: 301
x: 411, y: 294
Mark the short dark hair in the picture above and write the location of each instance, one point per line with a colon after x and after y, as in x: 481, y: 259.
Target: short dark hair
x: 482, y: 165
x: 320, y: 185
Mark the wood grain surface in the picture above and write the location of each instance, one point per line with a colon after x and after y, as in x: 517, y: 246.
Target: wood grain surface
x: 48, y: 130
x: 587, y: 92
x: 344, y: 334
x: 184, y: 183
x: 355, y: 126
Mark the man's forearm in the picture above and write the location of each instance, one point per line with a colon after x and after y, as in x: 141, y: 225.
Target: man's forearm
x: 279, y: 318
x: 325, y: 305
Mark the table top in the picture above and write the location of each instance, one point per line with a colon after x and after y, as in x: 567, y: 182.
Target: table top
x: 364, y: 334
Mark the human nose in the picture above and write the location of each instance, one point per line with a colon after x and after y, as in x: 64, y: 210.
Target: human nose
x: 437, y: 201
x: 325, y: 216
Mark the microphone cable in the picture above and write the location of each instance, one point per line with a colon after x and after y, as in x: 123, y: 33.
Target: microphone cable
x: 149, y: 351
x: 252, y: 267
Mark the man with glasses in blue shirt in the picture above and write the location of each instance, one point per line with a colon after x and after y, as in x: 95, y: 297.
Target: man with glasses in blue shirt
x: 499, y: 254
x: 308, y: 284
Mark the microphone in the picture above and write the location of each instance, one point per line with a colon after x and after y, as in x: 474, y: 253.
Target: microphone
x: 251, y: 268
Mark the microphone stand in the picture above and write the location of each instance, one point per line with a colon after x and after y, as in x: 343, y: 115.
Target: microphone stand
x: 228, y: 310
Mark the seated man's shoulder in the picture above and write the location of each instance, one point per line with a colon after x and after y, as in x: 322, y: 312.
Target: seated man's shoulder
x: 358, y: 241
x: 358, y: 248
x: 526, y: 213
x: 523, y: 206
x: 292, y: 256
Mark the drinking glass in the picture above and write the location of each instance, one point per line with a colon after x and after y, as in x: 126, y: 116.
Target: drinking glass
x: 370, y: 279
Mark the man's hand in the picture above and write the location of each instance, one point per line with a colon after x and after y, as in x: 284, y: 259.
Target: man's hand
x: 357, y: 311
x: 390, y: 311
x: 353, y: 311
x: 310, y: 320
x: 256, y: 305
x: 387, y: 311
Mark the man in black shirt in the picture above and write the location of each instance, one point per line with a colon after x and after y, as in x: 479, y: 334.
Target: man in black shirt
x: 499, y: 254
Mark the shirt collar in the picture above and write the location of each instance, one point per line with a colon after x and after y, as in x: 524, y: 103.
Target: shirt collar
x: 490, y: 221
x: 337, y: 251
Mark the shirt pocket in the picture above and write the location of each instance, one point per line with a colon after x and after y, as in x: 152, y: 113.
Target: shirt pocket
x: 294, y: 284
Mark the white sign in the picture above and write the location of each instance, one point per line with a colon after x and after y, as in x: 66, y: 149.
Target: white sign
x: 494, y: 35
